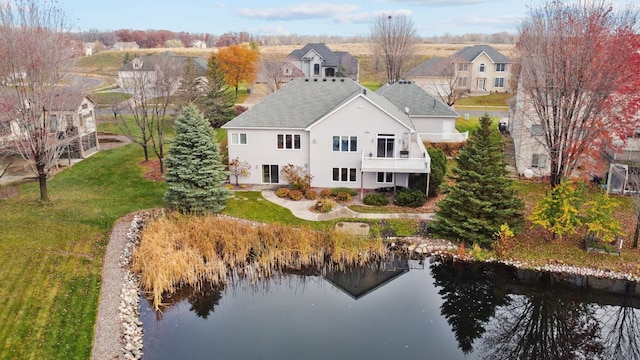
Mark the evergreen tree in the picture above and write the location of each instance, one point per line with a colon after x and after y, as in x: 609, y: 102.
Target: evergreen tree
x: 482, y: 198
x: 196, y: 173
x: 218, y: 104
x: 438, y: 170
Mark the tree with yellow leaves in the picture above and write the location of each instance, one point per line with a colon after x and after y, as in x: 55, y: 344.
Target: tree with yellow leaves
x: 239, y: 63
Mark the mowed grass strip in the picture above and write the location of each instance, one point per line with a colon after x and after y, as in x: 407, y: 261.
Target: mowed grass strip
x: 52, y: 253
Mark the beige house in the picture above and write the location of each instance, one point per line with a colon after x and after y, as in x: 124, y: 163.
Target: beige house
x: 157, y: 73
x: 476, y: 69
x: 75, y: 121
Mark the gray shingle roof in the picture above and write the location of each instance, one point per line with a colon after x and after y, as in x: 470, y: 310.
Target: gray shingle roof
x: 303, y: 101
x: 149, y: 62
x: 329, y: 58
x: 407, y: 95
x: 430, y: 67
x: 469, y: 53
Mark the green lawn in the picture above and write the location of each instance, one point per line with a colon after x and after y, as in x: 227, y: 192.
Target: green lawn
x: 491, y: 100
x: 52, y: 253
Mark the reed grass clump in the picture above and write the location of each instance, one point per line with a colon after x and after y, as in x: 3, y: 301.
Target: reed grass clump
x: 178, y: 250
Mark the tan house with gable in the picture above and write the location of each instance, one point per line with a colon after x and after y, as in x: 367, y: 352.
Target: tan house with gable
x: 477, y: 69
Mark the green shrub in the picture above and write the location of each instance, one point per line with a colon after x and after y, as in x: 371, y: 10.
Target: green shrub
x: 343, y: 196
x: 295, y: 195
x: 325, y: 193
x: 414, y: 199
x: 336, y: 191
x: 375, y: 199
x: 283, y: 192
x: 311, y: 194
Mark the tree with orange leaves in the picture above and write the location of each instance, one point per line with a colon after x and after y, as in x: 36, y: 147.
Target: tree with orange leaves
x: 576, y: 66
x: 239, y: 63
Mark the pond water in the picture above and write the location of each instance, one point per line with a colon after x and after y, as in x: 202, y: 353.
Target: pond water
x: 401, y: 309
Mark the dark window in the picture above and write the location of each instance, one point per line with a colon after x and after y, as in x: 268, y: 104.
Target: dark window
x: 270, y: 174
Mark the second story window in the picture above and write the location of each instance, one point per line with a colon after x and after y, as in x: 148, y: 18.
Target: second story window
x: 288, y: 141
x: 345, y: 143
x: 501, y: 67
x: 463, y: 66
x: 238, y: 139
x: 482, y: 68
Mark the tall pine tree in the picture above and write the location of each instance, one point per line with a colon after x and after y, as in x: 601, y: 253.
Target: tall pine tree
x: 482, y: 197
x: 196, y: 173
x: 218, y: 104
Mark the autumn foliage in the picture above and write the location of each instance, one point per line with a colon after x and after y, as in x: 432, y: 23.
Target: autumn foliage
x: 239, y: 63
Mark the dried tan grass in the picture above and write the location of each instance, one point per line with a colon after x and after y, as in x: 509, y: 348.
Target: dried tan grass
x: 180, y: 250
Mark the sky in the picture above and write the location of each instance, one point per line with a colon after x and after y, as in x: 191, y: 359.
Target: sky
x: 283, y: 17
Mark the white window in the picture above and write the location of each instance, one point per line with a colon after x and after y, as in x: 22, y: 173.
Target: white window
x: 538, y: 160
x: 288, y: 141
x: 481, y: 68
x: 501, y: 67
x: 238, y: 139
x: 498, y: 82
x: 270, y: 174
x: 463, y: 66
x: 385, y: 177
x: 536, y: 130
x: 344, y: 174
x: 53, y: 123
x: 463, y: 81
x: 345, y: 143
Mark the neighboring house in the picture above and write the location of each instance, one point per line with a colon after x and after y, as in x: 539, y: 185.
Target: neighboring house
x: 341, y: 133
x: 199, y: 44
x: 76, y: 119
x: 88, y: 48
x: 624, y: 166
x: 314, y: 61
x: 531, y: 154
x: 621, y: 162
x: 146, y: 71
x: 477, y: 69
x: 318, y: 61
x: 125, y: 46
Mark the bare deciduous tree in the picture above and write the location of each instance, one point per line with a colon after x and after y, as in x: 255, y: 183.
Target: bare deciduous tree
x: 272, y: 70
x: 394, y: 40
x: 575, y: 57
x: 448, y: 85
x: 152, y: 88
x: 35, y: 55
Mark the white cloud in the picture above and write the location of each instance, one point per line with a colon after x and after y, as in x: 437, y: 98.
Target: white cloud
x: 270, y: 30
x: 299, y: 12
x: 370, y: 17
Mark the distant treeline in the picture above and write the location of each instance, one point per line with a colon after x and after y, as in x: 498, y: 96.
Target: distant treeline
x: 166, y: 38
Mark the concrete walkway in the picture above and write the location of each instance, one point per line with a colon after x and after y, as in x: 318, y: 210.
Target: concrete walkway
x: 300, y: 209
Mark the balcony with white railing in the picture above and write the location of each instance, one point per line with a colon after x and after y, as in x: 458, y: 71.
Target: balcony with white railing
x: 445, y: 137
x: 413, y: 160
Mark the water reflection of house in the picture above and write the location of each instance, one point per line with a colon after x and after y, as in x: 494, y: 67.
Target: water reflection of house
x: 360, y: 281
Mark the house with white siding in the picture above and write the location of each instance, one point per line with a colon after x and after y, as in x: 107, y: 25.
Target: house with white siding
x: 341, y: 133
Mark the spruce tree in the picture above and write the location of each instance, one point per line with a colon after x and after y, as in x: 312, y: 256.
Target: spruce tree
x: 196, y: 173
x: 218, y: 104
x: 482, y: 197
